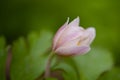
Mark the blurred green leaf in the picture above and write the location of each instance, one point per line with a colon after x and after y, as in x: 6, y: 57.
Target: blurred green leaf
x: 91, y: 65
x: 113, y: 74
x: 68, y: 68
x: 28, y: 56
x: 3, y: 56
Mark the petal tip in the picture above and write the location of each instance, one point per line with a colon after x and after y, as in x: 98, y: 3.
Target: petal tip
x: 67, y: 20
x: 75, y: 22
x: 78, y: 18
x: 91, y: 29
x: 92, y: 33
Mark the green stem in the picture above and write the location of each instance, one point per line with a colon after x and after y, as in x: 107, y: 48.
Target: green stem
x: 47, y: 69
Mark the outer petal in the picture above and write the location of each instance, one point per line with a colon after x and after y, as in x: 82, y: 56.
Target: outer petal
x: 92, y: 33
x: 72, y: 50
x: 88, y: 36
x: 75, y: 22
x: 59, y: 32
x: 69, y: 34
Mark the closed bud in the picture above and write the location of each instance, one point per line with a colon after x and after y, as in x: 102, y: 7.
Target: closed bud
x: 71, y: 39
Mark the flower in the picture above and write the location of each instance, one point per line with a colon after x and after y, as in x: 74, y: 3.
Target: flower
x: 71, y: 39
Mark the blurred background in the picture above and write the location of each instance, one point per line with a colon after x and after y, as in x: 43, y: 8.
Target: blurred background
x: 21, y: 17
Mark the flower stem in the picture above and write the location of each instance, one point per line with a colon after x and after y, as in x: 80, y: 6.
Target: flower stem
x: 47, y: 68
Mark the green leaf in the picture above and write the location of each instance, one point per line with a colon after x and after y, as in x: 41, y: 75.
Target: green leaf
x: 3, y: 56
x: 29, y: 60
x: 94, y: 63
x: 113, y: 74
x: 68, y: 68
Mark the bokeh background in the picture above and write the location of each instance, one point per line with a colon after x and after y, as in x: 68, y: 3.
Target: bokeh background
x: 21, y: 17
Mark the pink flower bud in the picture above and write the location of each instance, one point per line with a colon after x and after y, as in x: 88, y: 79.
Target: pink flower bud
x: 71, y: 39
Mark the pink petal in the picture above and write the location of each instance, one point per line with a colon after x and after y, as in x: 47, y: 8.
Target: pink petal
x: 72, y: 47
x: 69, y: 34
x: 72, y: 50
x: 92, y: 33
x: 88, y: 36
x: 59, y: 32
x: 75, y: 22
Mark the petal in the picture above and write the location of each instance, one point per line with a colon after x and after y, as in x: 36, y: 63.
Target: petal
x: 72, y: 50
x: 59, y: 32
x: 69, y: 34
x: 92, y: 33
x: 88, y: 36
x: 75, y: 22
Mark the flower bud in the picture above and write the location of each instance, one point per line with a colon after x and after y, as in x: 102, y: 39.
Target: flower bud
x: 71, y: 39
